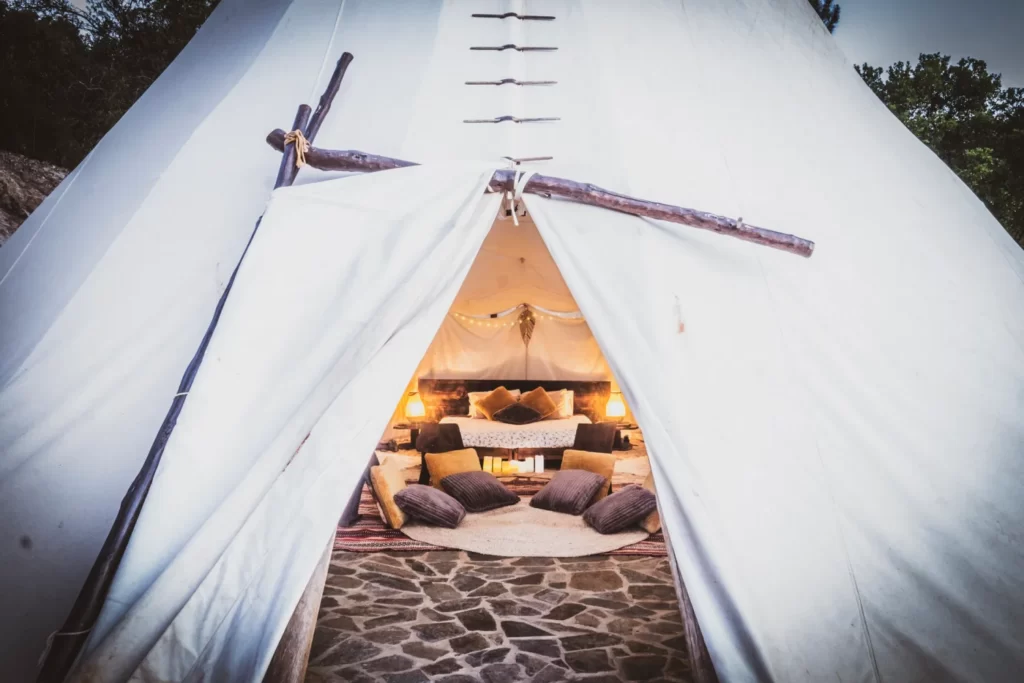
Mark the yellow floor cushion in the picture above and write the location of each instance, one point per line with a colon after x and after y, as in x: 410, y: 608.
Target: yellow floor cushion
x: 599, y: 463
x: 440, y: 465
x: 495, y: 401
x: 387, y: 480
x: 652, y: 522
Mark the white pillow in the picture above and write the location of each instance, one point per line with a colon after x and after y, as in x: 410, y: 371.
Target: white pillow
x: 475, y: 396
x: 563, y: 398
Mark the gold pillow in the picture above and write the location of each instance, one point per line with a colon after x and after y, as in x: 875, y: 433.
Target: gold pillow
x: 387, y: 480
x: 599, y: 463
x: 441, y: 465
x: 495, y: 401
x: 652, y: 522
x: 539, y: 400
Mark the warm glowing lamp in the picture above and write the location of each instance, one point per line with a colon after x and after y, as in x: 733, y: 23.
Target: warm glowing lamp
x: 414, y: 408
x: 615, y: 407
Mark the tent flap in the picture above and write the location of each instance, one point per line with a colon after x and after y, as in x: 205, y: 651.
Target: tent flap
x: 334, y: 304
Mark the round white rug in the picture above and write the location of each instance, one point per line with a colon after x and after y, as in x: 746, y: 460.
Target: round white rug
x: 522, y: 531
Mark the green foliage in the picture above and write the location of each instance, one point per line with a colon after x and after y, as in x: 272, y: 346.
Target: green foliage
x: 69, y: 74
x: 962, y: 112
x: 828, y: 12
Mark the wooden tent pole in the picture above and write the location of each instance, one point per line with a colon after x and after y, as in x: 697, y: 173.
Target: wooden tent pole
x: 583, y: 193
x: 68, y: 641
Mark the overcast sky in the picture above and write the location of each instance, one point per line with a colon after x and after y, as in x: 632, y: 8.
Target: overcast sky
x: 881, y: 32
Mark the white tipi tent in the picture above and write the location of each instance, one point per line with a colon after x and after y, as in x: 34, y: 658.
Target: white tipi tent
x: 836, y: 440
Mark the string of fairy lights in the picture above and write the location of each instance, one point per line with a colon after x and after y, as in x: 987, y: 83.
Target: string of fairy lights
x: 510, y: 317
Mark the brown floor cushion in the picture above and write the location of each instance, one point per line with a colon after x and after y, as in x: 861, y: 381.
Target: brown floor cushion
x: 569, y: 491
x: 428, y: 505
x: 621, y: 510
x: 478, y: 491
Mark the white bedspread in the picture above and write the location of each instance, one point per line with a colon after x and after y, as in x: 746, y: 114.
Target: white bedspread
x: 477, y: 433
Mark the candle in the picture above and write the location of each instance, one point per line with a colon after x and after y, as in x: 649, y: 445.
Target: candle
x: 526, y: 465
x: 488, y: 463
x: 538, y: 463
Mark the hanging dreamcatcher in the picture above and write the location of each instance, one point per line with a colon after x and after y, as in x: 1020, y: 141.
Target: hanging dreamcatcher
x: 527, y: 321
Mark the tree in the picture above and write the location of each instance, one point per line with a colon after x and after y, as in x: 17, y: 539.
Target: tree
x: 74, y: 72
x: 42, y: 86
x: 962, y: 112
x: 828, y: 12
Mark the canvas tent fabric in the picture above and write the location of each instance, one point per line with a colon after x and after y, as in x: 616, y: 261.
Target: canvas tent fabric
x: 836, y: 440
x: 198, y: 592
x: 513, y: 268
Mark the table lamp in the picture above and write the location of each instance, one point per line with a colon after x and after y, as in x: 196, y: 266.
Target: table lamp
x: 414, y: 408
x: 615, y: 407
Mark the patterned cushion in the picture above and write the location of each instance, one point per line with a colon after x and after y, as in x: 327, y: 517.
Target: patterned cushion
x: 539, y: 400
x: 495, y: 401
x: 440, y: 465
x: 652, y: 522
x: 569, y: 491
x: 621, y: 510
x: 478, y: 491
x: 387, y: 480
x: 517, y: 414
x: 431, y: 506
x: 599, y: 463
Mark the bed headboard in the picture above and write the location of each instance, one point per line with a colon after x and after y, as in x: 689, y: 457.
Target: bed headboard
x: 443, y: 397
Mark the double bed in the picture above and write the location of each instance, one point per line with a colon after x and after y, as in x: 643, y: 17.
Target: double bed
x: 447, y: 401
x: 477, y: 433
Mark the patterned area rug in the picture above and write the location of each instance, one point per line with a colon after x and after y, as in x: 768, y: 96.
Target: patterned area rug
x: 369, y: 533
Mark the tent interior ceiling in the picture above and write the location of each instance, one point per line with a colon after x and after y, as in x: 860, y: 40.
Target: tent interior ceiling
x: 513, y: 267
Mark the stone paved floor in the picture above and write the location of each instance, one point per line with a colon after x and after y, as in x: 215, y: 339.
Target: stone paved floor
x: 457, y: 617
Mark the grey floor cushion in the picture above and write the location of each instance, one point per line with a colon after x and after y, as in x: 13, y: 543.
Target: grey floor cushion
x: 569, y: 491
x: 430, y: 506
x: 621, y: 510
x: 478, y: 491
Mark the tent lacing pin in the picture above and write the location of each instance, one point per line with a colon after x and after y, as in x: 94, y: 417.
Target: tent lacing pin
x: 739, y: 223
x: 515, y: 196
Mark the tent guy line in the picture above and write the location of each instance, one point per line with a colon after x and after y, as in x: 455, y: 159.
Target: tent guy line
x: 583, y: 193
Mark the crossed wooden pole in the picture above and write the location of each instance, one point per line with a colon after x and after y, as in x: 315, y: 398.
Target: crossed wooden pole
x: 583, y: 193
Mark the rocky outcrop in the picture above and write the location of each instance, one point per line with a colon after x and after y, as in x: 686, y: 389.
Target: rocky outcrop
x: 24, y: 184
